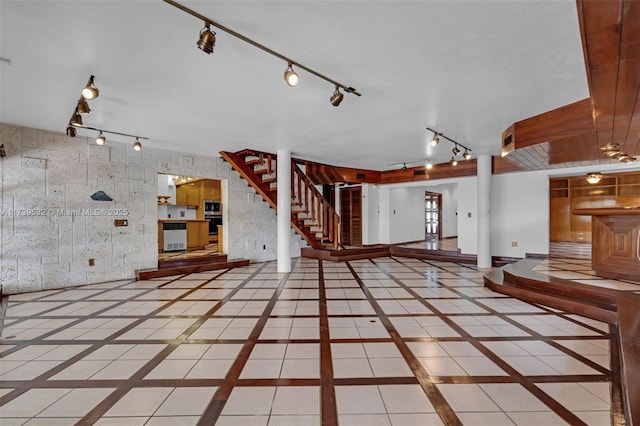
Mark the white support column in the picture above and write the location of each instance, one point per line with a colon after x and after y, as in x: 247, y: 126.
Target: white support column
x: 484, y: 211
x: 283, y: 175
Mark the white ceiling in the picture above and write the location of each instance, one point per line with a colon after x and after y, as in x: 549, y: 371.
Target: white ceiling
x: 466, y: 68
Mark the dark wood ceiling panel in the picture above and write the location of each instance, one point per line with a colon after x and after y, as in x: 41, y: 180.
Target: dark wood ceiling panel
x: 627, y: 105
x: 560, y: 123
x: 599, y: 22
x: 576, y: 148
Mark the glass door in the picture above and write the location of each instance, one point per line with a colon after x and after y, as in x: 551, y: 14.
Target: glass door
x: 432, y: 213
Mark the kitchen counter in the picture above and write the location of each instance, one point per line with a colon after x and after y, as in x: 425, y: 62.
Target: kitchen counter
x: 197, y: 233
x: 615, y: 251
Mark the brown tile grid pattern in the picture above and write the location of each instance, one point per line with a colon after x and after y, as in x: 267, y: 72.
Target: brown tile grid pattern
x: 370, y: 342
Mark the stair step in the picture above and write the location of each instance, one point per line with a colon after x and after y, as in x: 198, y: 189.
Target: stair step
x: 252, y: 161
x: 262, y: 171
x: 269, y: 179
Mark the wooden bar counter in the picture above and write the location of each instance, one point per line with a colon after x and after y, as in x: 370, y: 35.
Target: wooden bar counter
x: 615, y: 251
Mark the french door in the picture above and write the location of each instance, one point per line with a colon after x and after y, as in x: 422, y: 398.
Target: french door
x: 432, y: 216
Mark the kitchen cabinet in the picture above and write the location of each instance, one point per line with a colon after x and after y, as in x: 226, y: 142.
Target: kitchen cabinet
x: 194, y: 194
x: 188, y: 194
x: 197, y: 234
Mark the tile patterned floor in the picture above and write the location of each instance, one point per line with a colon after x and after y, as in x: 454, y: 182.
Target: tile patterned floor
x: 382, y: 342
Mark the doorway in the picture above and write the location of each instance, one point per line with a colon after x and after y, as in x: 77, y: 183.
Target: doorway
x: 195, y: 206
x: 351, y: 216
x: 432, y: 216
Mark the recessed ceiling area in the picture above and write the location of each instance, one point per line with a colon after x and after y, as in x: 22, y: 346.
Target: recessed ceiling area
x: 466, y: 68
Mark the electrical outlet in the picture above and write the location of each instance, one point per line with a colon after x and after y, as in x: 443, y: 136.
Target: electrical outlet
x: 92, y: 262
x: 514, y: 244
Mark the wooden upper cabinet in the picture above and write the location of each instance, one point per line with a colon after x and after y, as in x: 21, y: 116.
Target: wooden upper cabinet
x: 569, y: 193
x: 211, y: 190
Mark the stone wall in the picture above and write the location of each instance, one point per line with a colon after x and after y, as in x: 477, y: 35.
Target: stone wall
x: 50, y: 227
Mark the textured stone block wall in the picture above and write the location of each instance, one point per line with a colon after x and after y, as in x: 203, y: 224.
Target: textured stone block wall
x: 50, y: 227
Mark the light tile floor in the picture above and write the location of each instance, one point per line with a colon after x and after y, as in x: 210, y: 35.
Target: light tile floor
x: 382, y: 342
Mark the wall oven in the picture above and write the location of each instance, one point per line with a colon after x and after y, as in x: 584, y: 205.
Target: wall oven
x: 214, y: 221
x: 212, y: 207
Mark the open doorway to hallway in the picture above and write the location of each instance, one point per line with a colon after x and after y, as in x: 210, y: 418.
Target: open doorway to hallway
x: 190, y: 218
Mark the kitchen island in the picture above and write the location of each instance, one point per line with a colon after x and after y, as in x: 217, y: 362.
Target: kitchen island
x: 615, y: 251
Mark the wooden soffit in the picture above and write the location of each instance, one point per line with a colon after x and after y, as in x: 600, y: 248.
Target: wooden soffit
x: 610, y: 33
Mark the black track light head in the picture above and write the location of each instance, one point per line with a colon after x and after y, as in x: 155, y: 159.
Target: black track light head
x: 404, y: 167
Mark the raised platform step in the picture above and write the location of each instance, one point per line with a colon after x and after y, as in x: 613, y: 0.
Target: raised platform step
x: 439, y: 255
x: 517, y: 280
x: 342, y: 255
x: 172, y: 263
x: 189, y: 269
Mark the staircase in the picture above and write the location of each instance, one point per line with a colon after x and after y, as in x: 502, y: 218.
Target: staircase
x: 312, y: 216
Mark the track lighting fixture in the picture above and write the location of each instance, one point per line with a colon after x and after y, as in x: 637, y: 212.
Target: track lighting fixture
x: 90, y: 91
x: 456, y: 148
x: 453, y: 161
x: 337, y: 97
x: 594, y: 178
x: 83, y: 106
x: 76, y: 119
x: 404, y: 167
x: 100, y: 140
x: 137, y: 146
x: 429, y: 166
x: 71, y: 131
x: 207, y: 39
x: 290, y: 76
x: 207, y: 42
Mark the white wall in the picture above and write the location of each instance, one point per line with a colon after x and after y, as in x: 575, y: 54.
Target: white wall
x: 51, y: 175
x: 467, y: 193
x: 407, y: 215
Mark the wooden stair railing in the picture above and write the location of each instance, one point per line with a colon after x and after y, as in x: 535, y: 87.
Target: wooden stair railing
x: 312, y: 216
x: 313, y: 210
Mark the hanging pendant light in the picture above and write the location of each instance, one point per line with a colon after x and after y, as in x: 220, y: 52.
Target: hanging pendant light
x: 137, y: 146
